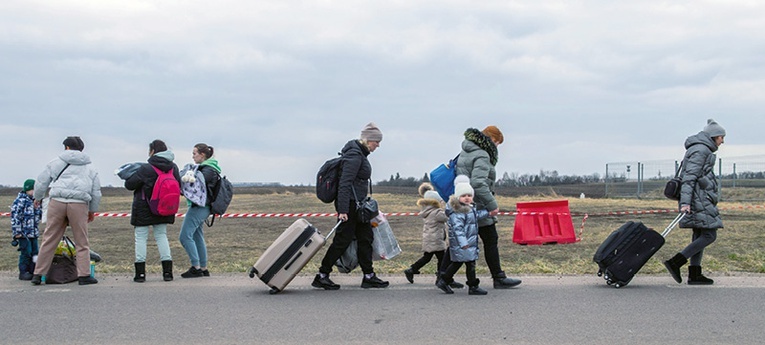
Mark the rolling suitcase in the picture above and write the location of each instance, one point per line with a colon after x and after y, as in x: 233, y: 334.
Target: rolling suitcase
x: 627, y: 249
x: 289, y: 253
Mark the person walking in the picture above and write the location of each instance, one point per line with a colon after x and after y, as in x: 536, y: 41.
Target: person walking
x: 463, y: 237
x: 434, y: 235
x: 25, y: 229
x: 353, y: 186
x: 477, y: 161
x: 142, y: 184
x: 192, y: 235
x: 75, y: 194
x: 699, y: 195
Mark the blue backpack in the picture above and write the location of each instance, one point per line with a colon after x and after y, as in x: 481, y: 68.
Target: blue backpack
x: 442, y: 178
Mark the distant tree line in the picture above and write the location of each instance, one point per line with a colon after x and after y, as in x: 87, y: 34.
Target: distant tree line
x: 544, y: 178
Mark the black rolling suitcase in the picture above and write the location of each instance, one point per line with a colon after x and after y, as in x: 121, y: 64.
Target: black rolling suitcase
x: 627, y: 249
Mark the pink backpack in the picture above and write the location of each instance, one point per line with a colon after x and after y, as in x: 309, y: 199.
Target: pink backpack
x: 166, y: 195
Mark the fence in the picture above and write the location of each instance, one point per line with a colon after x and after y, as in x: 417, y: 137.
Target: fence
x: 741, y: 178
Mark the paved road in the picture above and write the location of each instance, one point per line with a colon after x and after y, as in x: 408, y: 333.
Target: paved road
x: 234, y: 309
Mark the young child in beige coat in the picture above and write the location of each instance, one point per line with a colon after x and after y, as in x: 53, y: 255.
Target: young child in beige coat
x: 434, y: 234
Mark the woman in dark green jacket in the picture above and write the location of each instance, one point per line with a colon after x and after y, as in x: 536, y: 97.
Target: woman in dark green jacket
x: 698, y: 199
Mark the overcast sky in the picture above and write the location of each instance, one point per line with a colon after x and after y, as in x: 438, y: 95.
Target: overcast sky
x: 277, y: 87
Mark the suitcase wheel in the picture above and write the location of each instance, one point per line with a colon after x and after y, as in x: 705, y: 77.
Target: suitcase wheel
x: 600, y: 273
x: 617, y: 285
x: 274, y: 291
x: 252, y: 272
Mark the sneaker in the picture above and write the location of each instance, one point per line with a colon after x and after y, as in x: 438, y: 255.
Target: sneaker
x: 373, y: 282
x: 456, y: 285
x: 36, y: 279
x: 444, y: 287
x: 475, y: 290
x: 324, y: 283
x: 87, y: 280
x: 205, y: 273
x: 193, y: 272
x: 25, y: 276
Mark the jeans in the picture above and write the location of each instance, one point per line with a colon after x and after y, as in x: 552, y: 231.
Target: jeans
x: 28, y: 254
x: 192, y: 235
x: 160, y: 237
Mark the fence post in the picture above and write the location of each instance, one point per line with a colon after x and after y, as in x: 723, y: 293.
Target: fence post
x: 607, y: 177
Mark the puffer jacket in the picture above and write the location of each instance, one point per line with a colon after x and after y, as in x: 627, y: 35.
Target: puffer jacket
x: 356, y: 172
x: 477, y: 160
x: 463, y: 230
x: 25, y: 217
x: 78, y: 183
x: 434, y: 236
x: 699, y: 188
x: 142, y: 185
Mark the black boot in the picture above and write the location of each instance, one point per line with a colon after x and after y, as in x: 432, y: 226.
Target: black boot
x: 36, y: 279
x: 409, y: 273
x: 167, y: 270
x: 673, y: 266
x: 140, y: 272
x: 696, y: 278
x: 444, y: 286
x: 501, y: 281
x: 474, y: 289
x: 25, y: 276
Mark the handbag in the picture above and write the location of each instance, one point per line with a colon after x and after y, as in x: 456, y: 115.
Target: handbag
x: 673, y: 186
x: 63, y: 269
x: 366, y: 209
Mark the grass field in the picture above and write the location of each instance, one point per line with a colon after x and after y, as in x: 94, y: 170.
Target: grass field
x: 234, y: 244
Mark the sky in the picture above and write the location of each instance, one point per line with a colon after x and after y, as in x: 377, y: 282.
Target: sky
x: 278, y: 87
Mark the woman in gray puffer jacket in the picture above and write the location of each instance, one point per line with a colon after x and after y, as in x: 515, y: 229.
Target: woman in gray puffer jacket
x: 698, y: 199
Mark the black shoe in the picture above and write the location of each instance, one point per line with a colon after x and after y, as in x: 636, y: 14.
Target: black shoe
x: 673, y: 266
x: 373, y: 282
x: 456, y: 285
x: 475, y: 290
x: 444, y: 287
x: 205, y: 273
x: 324, y: 283
x: 501, y: 281
x: 36, y: 279
x: 25, y: 276
x: 87, y: 280
x: 409, y: 275
x: 193, y: 272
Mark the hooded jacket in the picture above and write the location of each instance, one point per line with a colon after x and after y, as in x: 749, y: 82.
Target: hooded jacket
x: 211, y: 171
x: 25, y: 217
x: 434, y: 235
x: 78, y: 182
x: 477, y: 160
x: 355, y: 175
x: 463, y: 230
x: 699, y: 186
x: 142, y: 184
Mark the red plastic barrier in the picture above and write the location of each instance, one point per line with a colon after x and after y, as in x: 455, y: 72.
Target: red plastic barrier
x: 544, y: 222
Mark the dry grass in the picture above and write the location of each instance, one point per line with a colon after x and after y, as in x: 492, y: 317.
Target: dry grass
x: 234, y: 244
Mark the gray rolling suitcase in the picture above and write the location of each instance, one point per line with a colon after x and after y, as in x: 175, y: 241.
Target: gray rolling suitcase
x: 289, y: 253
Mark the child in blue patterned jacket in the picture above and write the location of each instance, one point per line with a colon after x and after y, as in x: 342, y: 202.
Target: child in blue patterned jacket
x: 25, y: 221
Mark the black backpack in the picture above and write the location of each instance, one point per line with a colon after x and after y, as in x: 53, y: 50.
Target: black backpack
x: 328, y: 178
x: 224, y: 192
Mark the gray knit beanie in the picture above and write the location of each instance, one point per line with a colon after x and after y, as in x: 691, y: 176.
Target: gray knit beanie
x: 371, y: 133
x: 714, y: 129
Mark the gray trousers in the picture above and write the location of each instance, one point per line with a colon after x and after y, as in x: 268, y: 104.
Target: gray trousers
x: 700, y: 240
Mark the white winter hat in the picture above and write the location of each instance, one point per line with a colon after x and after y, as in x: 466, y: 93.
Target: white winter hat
x: 462, y: 186
x: 432, y: 195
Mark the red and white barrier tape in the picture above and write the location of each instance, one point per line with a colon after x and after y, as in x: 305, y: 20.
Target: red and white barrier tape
x: 400, y: 214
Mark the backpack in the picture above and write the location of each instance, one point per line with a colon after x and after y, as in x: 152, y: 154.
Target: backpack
x: 442, y: 178
x: 328, y: 178
x: 221, y: 198
x: 166, y: 195
x: 193, y: 185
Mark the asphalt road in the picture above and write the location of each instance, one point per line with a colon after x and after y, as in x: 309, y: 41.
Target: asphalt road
x: 234, y: 309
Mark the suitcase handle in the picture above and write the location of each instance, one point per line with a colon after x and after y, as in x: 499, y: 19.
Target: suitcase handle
x: 673, y: 224
x: 333, y: 230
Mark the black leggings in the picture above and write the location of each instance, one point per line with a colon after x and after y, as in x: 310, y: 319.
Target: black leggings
x: 426, y: 257
x: 448, y: 276
x: 700, y: 240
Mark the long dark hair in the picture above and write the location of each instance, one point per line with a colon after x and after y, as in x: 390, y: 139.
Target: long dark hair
x: 204, y: 149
